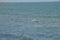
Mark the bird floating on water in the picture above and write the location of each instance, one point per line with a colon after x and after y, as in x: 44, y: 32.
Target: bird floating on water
x: 35, y: 20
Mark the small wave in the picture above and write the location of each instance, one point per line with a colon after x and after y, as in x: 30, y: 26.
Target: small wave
x: 20, y: 37
x: 8, y: 36
x: 51, y: 35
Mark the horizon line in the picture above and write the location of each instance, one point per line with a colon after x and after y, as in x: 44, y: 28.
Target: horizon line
x: 28, y: 1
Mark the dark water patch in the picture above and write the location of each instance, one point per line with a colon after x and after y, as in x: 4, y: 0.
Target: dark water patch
x: 27, y: 38
x: 16, y: 37
x: 10, y: 36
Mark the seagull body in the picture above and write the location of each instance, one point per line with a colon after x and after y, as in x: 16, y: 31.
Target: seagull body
x: 35, y: 20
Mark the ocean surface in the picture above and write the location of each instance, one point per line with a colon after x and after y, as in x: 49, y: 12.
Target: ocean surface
x: 16, y: 21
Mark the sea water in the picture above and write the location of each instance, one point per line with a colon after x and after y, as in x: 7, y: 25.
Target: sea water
x: 16, y: 21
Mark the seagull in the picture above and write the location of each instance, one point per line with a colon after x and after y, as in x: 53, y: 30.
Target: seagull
x: 35, y: 20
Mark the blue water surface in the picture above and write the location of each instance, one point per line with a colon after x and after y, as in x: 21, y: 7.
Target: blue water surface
x: 16, y: 21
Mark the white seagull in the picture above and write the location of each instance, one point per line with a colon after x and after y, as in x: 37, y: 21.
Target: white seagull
x: 35, y: 20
